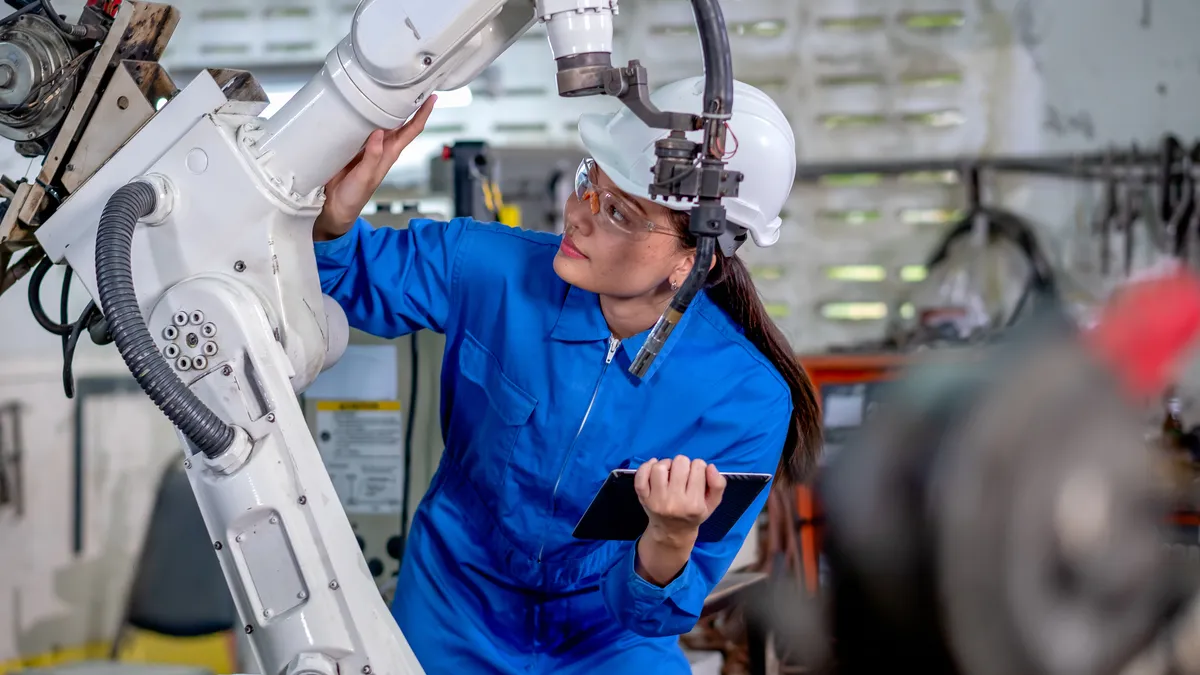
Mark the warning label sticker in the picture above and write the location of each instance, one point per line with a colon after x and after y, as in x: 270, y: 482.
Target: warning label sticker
x: 362, y: 443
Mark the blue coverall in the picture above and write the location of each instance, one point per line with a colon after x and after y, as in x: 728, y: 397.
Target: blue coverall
x: 537, y: 408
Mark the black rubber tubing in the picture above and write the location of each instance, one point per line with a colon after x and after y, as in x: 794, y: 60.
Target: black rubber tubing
x: 114, y: 282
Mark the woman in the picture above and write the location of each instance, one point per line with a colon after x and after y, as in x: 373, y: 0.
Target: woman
x: 538, y: 406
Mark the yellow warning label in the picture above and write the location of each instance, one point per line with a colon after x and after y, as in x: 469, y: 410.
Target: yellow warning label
x: 347, y: 406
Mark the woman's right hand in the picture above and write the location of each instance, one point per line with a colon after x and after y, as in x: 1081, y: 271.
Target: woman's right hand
x: 347, y: 193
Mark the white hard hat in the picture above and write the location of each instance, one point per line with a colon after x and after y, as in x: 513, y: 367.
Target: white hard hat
x: 623, y: 147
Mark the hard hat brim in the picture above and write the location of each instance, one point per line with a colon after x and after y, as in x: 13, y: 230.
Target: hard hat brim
x: 593, y: 132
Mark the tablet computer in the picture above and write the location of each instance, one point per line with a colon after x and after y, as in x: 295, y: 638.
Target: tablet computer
x: 616, y: 514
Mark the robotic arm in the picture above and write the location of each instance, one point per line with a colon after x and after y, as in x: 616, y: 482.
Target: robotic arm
x: 202, y: 268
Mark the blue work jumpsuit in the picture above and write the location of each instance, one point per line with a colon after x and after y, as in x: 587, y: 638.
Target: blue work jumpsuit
x: 537, y: 408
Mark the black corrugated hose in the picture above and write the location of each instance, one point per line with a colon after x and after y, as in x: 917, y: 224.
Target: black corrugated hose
x: 114, y: 281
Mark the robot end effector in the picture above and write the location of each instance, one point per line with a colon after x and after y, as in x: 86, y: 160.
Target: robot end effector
x: 580, y: 33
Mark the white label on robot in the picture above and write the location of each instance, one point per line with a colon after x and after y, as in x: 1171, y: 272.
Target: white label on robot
x: 362, y: 443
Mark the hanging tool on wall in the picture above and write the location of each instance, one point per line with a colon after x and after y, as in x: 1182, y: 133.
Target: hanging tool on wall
x: 11, y: 472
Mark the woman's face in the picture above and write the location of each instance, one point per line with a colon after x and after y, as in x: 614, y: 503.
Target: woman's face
x: 618, y: 245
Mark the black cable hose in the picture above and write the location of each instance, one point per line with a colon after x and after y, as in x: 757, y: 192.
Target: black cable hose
x: 35, y: 300
x: 72, y: 340
x: 114, y: 281
x: 705, y: 249
x: 718, y: 100
x: 718, y: 60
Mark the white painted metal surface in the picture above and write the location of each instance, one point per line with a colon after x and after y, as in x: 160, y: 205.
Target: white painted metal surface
x: 53, y: 596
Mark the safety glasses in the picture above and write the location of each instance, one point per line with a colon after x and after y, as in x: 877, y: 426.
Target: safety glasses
x: 612, y: 209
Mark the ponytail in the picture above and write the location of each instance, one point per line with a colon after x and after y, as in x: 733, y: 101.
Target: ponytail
x: 730, y: 287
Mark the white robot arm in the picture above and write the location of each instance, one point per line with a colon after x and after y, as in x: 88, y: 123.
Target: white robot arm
x: 202, y: 265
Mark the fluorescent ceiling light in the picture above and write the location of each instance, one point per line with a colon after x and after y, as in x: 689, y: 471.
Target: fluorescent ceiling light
x: 455, y: 98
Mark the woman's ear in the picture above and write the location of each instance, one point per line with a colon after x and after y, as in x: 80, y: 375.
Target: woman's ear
x: 683, y: 266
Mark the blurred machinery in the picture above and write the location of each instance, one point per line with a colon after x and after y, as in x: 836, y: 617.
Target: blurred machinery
x: 518, y: 186
x: 1001, y: 510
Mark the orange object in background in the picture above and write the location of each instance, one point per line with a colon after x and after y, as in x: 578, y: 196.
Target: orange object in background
x: 837, y: 376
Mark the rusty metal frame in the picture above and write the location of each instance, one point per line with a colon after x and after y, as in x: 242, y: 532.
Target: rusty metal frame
x: 140, y: 32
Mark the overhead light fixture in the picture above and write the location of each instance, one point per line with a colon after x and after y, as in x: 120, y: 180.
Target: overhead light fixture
x: 455, y: 98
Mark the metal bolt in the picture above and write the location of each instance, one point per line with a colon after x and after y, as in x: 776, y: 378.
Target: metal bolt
x: 249, y: 629
x: 218, y: 545
x: 197, y: 317
x: 170, y: 332
x: 226, y: 371
x: 270, y: 417
x: 303, y: 499
x: 333, y: 584
x: 366, y: 670
x: 239, y: 538
x: 180, y: 318
x: 302, y: 595
x: 266, y: 613
x: 428, y: 61
x: 239, y: 266
x: 273, y: 520
x: 187, y: 463
x: 209, y: 329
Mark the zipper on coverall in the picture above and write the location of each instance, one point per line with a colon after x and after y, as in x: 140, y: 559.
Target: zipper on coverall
x: 613, y: 344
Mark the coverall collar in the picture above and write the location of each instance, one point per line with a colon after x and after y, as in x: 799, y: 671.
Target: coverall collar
x: 581, y: 320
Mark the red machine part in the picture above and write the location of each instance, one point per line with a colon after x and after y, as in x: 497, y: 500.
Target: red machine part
x: 1146, y: 331
x: 109, y: 7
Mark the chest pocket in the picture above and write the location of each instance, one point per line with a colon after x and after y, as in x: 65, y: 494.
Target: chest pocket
x: 491, y: 409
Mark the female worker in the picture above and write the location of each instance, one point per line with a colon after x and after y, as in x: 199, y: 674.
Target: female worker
x: 538, y: 406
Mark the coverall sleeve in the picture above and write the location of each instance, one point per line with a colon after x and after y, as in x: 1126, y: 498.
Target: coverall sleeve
x: 393, y: 282
x: 652, y: 611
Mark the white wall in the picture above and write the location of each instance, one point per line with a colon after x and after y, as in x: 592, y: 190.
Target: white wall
x: 50, y: 596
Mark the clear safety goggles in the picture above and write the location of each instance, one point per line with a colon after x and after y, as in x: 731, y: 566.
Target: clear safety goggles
x: 612, y: 209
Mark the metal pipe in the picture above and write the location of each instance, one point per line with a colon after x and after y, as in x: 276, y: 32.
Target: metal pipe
x: 1084, y: 165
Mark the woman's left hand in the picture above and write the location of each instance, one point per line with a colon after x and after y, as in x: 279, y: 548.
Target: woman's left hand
x: 678, y: 495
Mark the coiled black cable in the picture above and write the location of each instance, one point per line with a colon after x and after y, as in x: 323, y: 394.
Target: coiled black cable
x: 114, y: 281
x: 35, y: 300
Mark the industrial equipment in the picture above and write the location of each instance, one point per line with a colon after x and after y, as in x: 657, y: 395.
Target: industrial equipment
x: 212, y: 208
x: 1001, y: 510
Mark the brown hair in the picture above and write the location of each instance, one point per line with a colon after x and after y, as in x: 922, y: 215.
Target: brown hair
x: 730, y: 287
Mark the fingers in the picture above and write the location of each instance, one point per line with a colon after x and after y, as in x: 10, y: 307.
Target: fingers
x: 681, y: 468
x: 373, y: 151
x: 660, y: 476
x: 716, y: 487
x: 697, y: 480
x: 400, y: 137
x: 641, y: 479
